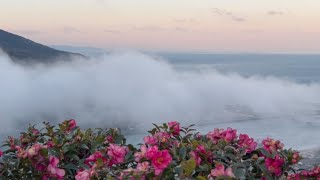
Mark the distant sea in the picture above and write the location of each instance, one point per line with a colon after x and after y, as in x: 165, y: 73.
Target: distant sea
x: 301, y: 68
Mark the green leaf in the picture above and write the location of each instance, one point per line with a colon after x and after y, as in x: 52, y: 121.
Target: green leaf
x: 84, y: 146
x: 265, y: 152
x: 119, y: 139
x: 85, y: 166
x: 204, y: 167
x: 195, y: 143
x: 129, y: 156
x: 240, y: 173
x: 188, y: 166
x: 183, y: 152
x: 178, y: 170
x: 75, y: 157
x: 44, y: 152
x: 200, y: 178
x: 99, y: 162
x: 71, y: 166
x: 158, y: 128
x: 165, y: 125
x: 262, y: 167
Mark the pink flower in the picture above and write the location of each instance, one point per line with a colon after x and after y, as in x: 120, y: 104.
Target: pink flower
x: 295, y: 157
x: 151, y: 151
x: 143, y: 166
x: 21, y: 153
x: 198, y: 136
x: 201, y: 149
x: 274, y: 165
x: 94, y: 157
x: 40, y: 167
x: 50, y: 144
x: 34, y: 150
x: 109, y: 139
x: 174, y: 127
x: 160, y: 161
x: 150, y: 140
x: 139, y: 155
x: 221, y: 134
x: 1, y: 153
x: 201, y: 152
x: 12, y: 142
x: 246, y: 142
x: 272, y: 145
x: 117, y: 154
x: 53, y: 170
x: 162, y: 136
x: 196, y: 157
x: 231, y: 134
x: 219, y: 170
x: 83, y: 175
x: 71, y: 124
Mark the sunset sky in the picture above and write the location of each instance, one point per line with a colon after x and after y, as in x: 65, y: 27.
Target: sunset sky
x: 169, y: 25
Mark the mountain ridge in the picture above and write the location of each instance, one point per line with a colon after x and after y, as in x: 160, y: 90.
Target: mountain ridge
x: 23, y: 50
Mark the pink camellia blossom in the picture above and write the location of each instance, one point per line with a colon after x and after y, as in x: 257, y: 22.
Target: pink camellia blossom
x: 220, y: 170
x: 144, y: 166
x: 108, y: 139
x: 150, y: 140
x: 139, y: 155
x: 34, y: 150
x: 201, y: 149
x: 274, y: 165
x: 162, y: 136
x: 295, y: 158
x: 12, y: 142
x: 203, y: 153
x: 71, y: 124
x: 40, y: 167
x: 231, y: 134
x: 53, y: 170
x: 92, y: 159
x: 50, y: 144
x: 246, y: 142
x: 83, y: 175
x: 215, y: 135
x: 196, y: 157
x: 117, y: 154
x: 272, y: 144
x: 220, y: 134
x: 151, y: 151
x: 198, y: 136
x: 35, y: 131
x: 21, y: 153
x: 160, y: 161
x: 174, y: 127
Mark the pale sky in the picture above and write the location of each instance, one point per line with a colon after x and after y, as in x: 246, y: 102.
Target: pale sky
x: 169, y: 25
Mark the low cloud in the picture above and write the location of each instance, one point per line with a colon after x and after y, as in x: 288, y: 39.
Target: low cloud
x: 132, y: 90
x: 184, y: 20
x: 28, y: 32
x: 275, y: 13
x: 181, y: 29
x: 113, y: 31
x: 148, y: 28
x: 239, y: 19
x: 70, y: 30
x: 225, y: 13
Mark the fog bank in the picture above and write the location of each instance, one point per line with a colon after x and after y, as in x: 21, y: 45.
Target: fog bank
x: 133, y: 90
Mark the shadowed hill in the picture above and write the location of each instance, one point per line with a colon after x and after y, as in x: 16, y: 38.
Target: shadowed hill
x: 23, y: 50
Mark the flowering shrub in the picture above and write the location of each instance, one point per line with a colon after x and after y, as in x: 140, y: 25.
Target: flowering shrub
x: 168, y: 152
